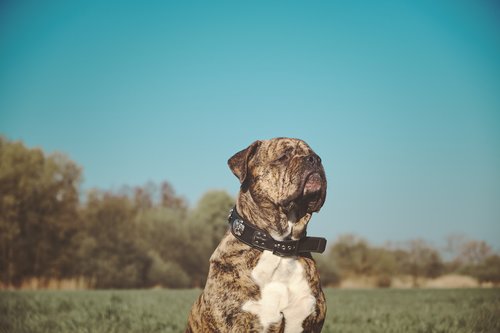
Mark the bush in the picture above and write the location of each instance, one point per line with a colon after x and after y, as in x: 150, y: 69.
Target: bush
x: 167, y: 274
x: 384, y: 281
x: 486, y: 271
x: 328, y: 272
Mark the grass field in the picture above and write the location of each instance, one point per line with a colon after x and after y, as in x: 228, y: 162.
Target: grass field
x: 469, y: 310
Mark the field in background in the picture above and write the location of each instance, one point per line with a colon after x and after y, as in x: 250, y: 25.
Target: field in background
x: 381, y: 310
x: 449, y: 281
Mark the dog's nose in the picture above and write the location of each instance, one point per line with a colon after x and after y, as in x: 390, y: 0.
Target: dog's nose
x: 313, y: 159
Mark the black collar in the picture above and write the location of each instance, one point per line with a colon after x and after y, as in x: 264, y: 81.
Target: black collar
x: 261, y: 240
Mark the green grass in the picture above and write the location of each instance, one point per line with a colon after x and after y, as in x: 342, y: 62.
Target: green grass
x: 95, y: 311
x: 470, y: 310
x: 428, y: 310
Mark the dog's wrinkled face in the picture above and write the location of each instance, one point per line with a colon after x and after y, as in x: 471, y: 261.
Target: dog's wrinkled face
x: 282, y: 172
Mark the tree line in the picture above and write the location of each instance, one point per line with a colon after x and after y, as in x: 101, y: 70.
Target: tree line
x: 136, y: 237
x: 146, y: 236
x: 351, y: 256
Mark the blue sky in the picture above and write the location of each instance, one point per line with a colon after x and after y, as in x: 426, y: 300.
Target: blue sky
x: 401, y: 99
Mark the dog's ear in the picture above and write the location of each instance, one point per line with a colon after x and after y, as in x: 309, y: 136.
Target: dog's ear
x: 239, y: 162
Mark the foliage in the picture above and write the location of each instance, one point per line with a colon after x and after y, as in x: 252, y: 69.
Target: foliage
x: 412, y: 311
x: 38, y: 213
x: 328, y: 271
x: 487, y: 270
x: 147, y: 236
x: 354, y: 256
x: 207, y: 223
x: 131, y: 243
x: 139, y: 237
x: 474, y: 252
x: 422, y: 260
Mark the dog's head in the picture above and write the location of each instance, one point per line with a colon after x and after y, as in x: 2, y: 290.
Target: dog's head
x: 282, y: 172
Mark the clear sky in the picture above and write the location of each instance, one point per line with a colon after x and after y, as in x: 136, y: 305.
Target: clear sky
x: 401, y: 99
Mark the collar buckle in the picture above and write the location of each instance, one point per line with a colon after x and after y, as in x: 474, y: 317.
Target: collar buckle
x: 238, y: 227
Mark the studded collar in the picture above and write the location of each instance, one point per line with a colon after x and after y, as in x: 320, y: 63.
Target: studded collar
x: 260, y: 239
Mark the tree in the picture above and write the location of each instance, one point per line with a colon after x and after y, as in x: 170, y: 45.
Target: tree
x: 164, y: 232
x: 488, y: 270
x: 384, y: 266
x: 166, y: 273
x: 111, y: 256
x: 169, y: 199
x: 422, y: 260
x: 143, y: 236
x: 207, y: 224
x: 476, y: 258
x: 355, y: 257
x: 474, y: 252
x: 328, y: 271
x: 352, y: 255
x: 38, y: 212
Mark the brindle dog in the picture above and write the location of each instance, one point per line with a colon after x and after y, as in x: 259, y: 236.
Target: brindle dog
x: 250, y: 290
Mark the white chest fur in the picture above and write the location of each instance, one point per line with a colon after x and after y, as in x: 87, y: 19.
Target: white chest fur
x: 284, y: 292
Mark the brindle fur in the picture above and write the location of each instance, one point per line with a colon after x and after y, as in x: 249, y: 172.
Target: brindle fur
x: 272, y: 175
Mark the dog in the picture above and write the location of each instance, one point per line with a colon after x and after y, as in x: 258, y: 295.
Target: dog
x: 262, y: 277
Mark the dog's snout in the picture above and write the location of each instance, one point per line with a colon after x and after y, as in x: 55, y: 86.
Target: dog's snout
x: 313, y: 159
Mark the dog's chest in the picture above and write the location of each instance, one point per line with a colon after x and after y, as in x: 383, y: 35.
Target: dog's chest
x: 284, y: 290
